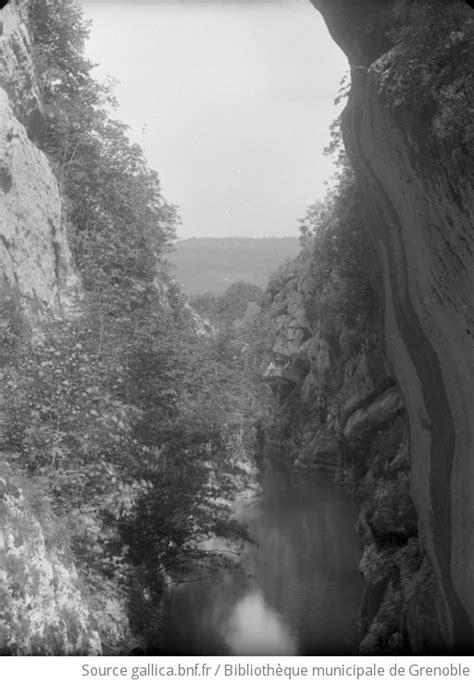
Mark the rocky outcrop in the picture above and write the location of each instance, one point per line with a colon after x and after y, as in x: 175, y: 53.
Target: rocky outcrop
x: 35, y: 263
x: 17, y: 72
x: 33, y: 250
x: 43, y: 609
x: 330, y: 363
x: 339, y: 409
x: 408, y: 131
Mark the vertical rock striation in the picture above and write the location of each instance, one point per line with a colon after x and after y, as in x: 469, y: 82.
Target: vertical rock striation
x: 408, y: 131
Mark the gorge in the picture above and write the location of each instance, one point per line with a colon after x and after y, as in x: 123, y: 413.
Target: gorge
x: 109, y: 388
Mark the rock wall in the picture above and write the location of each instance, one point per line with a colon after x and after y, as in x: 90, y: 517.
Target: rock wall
x: 408, y: 131
x: 35, y: 263
x: 44, y: 607
x: 42, y: 611
x: 339, y: 409
x: 331, y: 367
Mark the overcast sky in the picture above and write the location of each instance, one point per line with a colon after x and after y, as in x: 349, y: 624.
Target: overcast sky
x: 231, y: 102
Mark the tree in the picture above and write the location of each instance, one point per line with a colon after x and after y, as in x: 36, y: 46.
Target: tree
x: 126, y: 417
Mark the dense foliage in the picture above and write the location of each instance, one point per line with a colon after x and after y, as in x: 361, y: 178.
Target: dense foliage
x: 228, y: 308
x: 127, y: 417
x: 436, y: 65
x: 335, y: 244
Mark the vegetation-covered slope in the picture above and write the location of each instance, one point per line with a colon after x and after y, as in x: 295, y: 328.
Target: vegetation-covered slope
x: 212, y: 264
x: 124, y: 419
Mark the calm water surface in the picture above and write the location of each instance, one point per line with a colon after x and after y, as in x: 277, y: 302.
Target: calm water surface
x: 304, y: 592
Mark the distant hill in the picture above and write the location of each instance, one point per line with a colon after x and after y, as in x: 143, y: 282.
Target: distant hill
x: 212, y: 264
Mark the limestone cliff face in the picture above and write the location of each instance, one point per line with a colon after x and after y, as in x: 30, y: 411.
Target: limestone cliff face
x: 334, y: 363
x: 44, y: 608
x: 43, y: 611
x: 34, y: 256
x: 408, y: 131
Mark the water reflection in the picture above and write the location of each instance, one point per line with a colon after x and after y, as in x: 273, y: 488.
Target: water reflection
x: 254, y: 628
x: 305, y: 590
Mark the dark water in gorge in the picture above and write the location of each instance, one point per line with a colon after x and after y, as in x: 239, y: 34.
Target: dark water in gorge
x: 305, y: 591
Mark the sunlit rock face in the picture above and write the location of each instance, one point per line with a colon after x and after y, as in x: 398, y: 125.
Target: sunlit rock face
x: 42, y: 610
x: 408, y: 131
x: 34, y: 256
x: 43, y: 607
x: 17, y: 72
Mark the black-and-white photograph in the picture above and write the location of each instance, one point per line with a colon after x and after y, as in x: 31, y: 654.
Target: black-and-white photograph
x: 236, y: 328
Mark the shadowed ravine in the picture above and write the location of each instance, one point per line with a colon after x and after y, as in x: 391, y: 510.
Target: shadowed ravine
x: 304, y: 592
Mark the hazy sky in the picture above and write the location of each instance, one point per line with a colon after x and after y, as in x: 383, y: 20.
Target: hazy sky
x: 231, y: 102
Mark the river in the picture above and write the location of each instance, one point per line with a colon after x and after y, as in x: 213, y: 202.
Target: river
x: 300, y: 591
